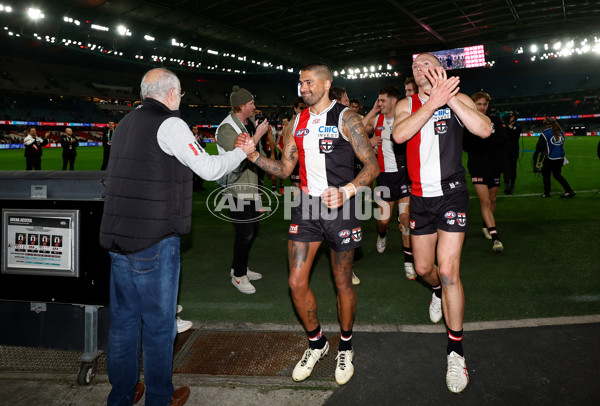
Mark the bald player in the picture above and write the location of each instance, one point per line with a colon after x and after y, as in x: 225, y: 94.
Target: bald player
x: 324, y: 140
x: 432, y: 122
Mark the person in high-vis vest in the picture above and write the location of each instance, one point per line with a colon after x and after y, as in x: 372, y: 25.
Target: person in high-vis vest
x: 550, y: 150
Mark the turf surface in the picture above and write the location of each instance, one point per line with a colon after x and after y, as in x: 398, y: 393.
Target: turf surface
x: 549, y: 267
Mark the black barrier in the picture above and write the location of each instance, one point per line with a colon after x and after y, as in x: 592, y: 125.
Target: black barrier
x: 54, y: 276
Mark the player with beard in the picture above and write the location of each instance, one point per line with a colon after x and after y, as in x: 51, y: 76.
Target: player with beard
x: 324, y: 139
x: 433, y: 121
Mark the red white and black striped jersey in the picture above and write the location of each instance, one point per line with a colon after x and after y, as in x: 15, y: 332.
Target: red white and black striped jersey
x: 434, y: 154
x: 385, y: 151
x: 326, y: 157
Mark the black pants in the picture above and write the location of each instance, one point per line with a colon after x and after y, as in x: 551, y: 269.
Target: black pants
x: 33, y: 162
x: 510, y: 168
x: 105, y: 158
x: 554, y: 167
x: 245, y: 223
x: 70, y: 159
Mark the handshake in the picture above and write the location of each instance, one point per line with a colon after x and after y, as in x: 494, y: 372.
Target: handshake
x: 246, y: 143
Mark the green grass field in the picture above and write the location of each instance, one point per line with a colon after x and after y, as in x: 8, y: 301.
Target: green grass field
x: 549, y: 267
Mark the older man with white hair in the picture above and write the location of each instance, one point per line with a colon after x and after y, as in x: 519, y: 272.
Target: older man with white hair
x: 148, y: 205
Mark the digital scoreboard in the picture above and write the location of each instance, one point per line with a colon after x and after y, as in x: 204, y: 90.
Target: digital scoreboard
x: 460, y: 58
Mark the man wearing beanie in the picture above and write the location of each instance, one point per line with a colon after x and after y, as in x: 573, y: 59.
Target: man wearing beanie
x: 242, y: 185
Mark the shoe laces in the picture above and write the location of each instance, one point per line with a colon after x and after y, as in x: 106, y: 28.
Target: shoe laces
x: 342, y: 360
x: 307, y: 355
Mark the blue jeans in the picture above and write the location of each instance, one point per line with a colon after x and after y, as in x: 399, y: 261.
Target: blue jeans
x: 143, y: 301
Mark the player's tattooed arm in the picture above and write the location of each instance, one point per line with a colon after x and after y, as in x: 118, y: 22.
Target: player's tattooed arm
x: 284, y: 167
x: 354, y: 130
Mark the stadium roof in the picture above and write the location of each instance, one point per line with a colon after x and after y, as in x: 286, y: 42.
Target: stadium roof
x: 293, y: 32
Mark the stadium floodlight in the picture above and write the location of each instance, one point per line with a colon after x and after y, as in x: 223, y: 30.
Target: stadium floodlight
x: 533, y: 48
x: 557, y: 46
x: 122, y: 30
x: 35, y: 13
x: 148, y: 38
x: 99, y: 27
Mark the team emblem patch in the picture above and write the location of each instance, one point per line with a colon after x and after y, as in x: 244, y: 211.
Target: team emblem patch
x: 462, y: 219
x: 344, y: 233
x: 412, y: 224
x: 450, y: 215
x: 357, y: 234
x: 303, y: 132
x: 325, y: 146
x: 293, y: 228
x: 380, y: 128
x: 441, y: 127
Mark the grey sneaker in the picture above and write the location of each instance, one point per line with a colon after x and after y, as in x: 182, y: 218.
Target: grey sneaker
x: 457, y: 376
x: 183, y: 325
x: 344, y: 369
x: 243, y: 284
x: 304, y: 367
x: 253, y: 276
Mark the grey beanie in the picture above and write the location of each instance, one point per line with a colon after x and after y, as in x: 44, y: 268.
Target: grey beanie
x: 239, y: 96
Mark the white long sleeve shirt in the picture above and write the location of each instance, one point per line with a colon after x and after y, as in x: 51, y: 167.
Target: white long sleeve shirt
x: 175, y: 139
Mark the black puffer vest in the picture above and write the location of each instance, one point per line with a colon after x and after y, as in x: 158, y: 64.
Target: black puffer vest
x: 148, y: 193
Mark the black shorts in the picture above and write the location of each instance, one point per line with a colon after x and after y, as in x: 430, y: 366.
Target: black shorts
x: 295, y: 176
x: 313, y: 221
x: 392, y: 186
x: 448, y: 213
x: 490, y: 181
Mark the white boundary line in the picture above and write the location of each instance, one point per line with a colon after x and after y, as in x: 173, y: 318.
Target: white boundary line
x: 403, y: 328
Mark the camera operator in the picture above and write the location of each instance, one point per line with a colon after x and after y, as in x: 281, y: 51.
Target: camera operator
x: 33, y: 149
x: 69, y: 143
